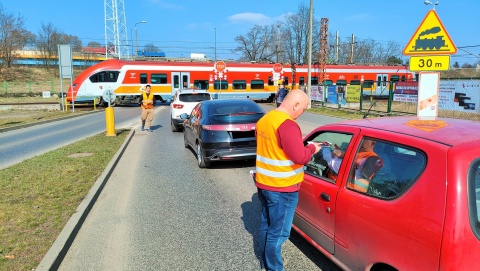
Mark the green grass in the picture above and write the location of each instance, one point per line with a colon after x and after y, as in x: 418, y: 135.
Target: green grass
x: 40, y: 194
x: 336, y: 113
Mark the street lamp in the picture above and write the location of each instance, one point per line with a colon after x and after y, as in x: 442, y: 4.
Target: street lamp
x: 136, y: 35
x: 431, y: 3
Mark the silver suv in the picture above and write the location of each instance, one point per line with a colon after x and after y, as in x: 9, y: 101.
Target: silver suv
x: 184, y: 101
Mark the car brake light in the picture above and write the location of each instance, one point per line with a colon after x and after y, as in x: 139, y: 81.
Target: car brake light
x: 230, y: 127
x: 178, y: 106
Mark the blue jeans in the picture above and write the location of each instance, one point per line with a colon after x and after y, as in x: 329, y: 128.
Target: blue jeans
x: 278, y: 209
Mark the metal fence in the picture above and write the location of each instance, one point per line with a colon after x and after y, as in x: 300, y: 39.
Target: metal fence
x: 458, y: 98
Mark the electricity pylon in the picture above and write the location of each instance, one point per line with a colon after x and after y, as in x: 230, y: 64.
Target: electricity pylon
x: 116, y: 34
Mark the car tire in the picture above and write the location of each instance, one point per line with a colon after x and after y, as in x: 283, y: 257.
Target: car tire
x: 202, y: 162
x: 174, y: 127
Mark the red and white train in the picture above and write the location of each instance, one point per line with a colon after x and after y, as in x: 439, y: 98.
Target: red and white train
x: 222, y: 79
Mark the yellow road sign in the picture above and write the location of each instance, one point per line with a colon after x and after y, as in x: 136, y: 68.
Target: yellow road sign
x: 431, y: 38
x: 429, y: 63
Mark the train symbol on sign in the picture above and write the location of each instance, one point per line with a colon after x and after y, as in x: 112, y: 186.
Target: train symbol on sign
x: 430, y: 38
x: 430, y: 43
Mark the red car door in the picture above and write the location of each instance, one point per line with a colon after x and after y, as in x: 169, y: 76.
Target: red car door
x: 315, y: 213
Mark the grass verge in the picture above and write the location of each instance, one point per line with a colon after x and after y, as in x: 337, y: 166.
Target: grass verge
x: 40, y: 194
x: 15, y: 117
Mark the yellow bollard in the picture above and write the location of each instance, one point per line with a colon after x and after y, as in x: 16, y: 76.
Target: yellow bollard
x: 110, y: 121
x: 94, y: 104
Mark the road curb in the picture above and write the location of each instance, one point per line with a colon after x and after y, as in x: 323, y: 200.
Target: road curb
x: 57, y: 252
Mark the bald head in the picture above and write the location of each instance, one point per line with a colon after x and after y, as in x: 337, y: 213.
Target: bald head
x: 294, y: 104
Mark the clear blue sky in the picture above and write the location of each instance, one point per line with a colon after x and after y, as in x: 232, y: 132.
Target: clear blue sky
x: 182, y: 27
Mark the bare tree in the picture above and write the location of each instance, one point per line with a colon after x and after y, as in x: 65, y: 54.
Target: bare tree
x: 13, y: 37
x: 47, y: 41
x: 295, y: 30
x: 74, y: 42
x: 257, y: 44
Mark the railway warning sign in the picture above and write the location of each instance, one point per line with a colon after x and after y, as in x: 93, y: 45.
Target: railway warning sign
x: 431, y: 38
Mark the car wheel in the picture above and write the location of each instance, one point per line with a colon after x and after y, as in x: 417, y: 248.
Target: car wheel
x: 202, y: 163
x: 174, y: 127
x: 185, y: 143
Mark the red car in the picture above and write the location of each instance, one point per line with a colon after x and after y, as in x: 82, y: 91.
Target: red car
x: 410, y: 202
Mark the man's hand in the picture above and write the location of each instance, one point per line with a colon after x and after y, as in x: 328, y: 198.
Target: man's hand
x: 318, y: 146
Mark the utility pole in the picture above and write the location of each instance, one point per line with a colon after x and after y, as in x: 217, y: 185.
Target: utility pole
x: 336, y: 47
x: 309, y: 77
x: 351, y: 49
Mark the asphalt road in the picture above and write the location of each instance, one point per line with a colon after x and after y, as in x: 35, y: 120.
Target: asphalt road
x: 20, y: 144
x: 159, y: 211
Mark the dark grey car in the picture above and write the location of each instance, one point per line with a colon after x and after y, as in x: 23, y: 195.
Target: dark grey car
x: 222, y: 130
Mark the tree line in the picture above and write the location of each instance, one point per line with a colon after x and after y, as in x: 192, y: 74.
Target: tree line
x: 287, y: 42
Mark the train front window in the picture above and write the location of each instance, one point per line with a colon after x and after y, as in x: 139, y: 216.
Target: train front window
x: 159, y: 78
x: 104, y: 76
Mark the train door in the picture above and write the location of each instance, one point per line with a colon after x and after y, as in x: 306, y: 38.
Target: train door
x: 381, y: 87
x: 180, y: 80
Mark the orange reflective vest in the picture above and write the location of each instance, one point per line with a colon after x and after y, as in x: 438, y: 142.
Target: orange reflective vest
x: 272, y: 165
x: 364, y: 172
x: 147, y: 98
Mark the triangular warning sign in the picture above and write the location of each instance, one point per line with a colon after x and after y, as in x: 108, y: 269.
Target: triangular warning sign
x: 431, y: 38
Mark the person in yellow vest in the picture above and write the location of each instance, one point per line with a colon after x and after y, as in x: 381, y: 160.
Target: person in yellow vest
x: 367, y: 163
x: 281, y: 156
x: 148, y: 100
